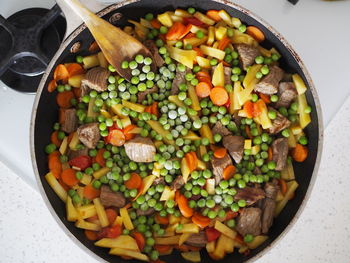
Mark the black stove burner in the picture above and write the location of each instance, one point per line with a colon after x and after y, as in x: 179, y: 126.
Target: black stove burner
x: 29, y: 39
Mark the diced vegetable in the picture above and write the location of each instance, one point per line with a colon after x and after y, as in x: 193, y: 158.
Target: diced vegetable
x: 72, y: 214
x: 211, y: 35
x: 257, y: 241
x: 213, y: 52
x: 91, y: 61
x: 87, y: 225
x: 210, y: 186
x: 220, y: 32
x: 86, y: 211
x: 126, y: 218
x: 185, y: 170
x: 225, y: 230
x: 155, y: 125
x: 193, y: 256
x: 185, y: 57
x: 122, y: 241
x: 167, y: 194
x: 218, y: 78
x: 101, y: 213
x: 304, y: 117
x: 247, y: 144
x: 74, y: 142
x: 210, y: 246
x: 183, y: 238
x: 188, y: 228
x: 193, y: 96
x: 56, y: 186
x: 165, y: 19
x: 147, y: 182
x: 299, y: 84
x: 173, y: 240
x: 103, y: 171
x: 205, y: 132
x: 133, y: 106
x: 191, y: 136
x: 203, y: 62
x: 64, y: 145
x: 287, y: 173
x: 194, y: 41
x: 204, y: 19
x: 75, y: 81
x: 292, y: 186
x: 225, y: 17
x: 128, y: 253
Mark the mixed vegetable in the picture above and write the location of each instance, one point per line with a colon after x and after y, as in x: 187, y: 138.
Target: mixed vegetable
x: 196, y: 155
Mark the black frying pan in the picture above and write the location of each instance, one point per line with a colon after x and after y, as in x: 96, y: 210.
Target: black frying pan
x: 45, y: 114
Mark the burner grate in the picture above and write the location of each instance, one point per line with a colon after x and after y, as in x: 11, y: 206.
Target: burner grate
x: 30, y: 38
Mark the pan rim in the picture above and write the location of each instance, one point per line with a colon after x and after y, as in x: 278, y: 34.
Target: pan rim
x: 290, y: 49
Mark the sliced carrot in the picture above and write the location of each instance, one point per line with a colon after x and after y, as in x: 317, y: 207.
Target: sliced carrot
x: 64, y: 98
x: 65, y: 187
x: 91, y: 192
x: 256, y: 33
x: 204, y: 76
x: 52, y: 85
x: 220, y: 152
x: 68, y: 177
x: 90, y: 235
x: 190, y: 35
x: 55, y: 140
x: 94, y: 47
x: 201, y: 221
x: 155, y: 23
x: 134, y: 182
x: 270, y: 155
x: 230, y: 215
x: 247, y: 131
x: 229, y: 172
x: 154, y: 109
x: 61, y: 117
x: 185, y: 210
x: 198, y: 51
x: 148, y: 109
x: 61, y: 73
x: 54, y: 154
x: 299, y: 153
x: 111, y: 215
x: 126, y: 131
x: 99, y: 157
x: 203, y: 89
x: 186, y: 30
x: 117, y: 137
x: 140, y: 240
x: 191, y: 160
x: 223, y: 43
x: 225, y: 63
x: 283, y: 186
x: 175, y: 31
x: 75, y: 69
x: 248, y: 108
x: 162, y: 249
x: 219, y: 96
x: 259, y: 107
x: 55, y: 165
x: 265, y: 98
x: 214, y: 14
x: 163, y: 220
x: 77, y: 92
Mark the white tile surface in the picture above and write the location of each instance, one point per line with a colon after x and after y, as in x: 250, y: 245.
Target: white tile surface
x: 28, y: 233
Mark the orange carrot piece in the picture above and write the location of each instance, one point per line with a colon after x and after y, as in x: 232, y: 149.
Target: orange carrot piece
x: 61, y: 73
x: 225, y: 63
x: 185, y: 31
x: 228, y: 172
x: 90, y: 235
x: 63, y: 99
x: 99, y: 158
x: 162, y: 249
x: 256, y: 33
x: 259, y: 106
x: 283, y: 186
x: 201, y: 221
x: 52, y: 86
x: 55, y: 140
x: 75, y: 69
x: 214, y: 14
x: 299, y: 153
x: 185, y: 210
x: 68, y: 177
x: 219, y: 96
x: 191, y: 160
x: 175, y: 31
x: 248, y: 108
x: 77, y: 92
x: 134, y: 182
x: 163, y: 220
x: 140, y: 240
x: 203, y: 89
x: 220, y: 152
x: 91, y: 192
x: 126, y: 131
x: 190, y: 35
x: 111, y: 215
x: 230, y: 214
x: 55, y: 165
x: 155, y: 23
x: 154, y: 109
x: 223, y: 43
x: 117, y: 138
x: 198, y: 51
x: 269, y: 152
x: 265, y: 98
x: 148, y: 109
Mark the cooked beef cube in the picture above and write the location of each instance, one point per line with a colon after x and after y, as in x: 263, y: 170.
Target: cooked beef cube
x: 197, y: 240
x: 195, y: 197
x: 85, y: 90
x: 250, y: 194
x: 247, y: 54
x: 140, y: 149
x: 89, y: 134
x: 269, y: 84
x: 219, y: 164
x: 159, y: 180
x: 269, y: 206
x: 158, y: 60
x: 96, y: 78
x: 179, y: 79
x: 69, y: 120
x: 227, y: 75
x: 271, y: 189
x: 220, y: 129
x: 141, y: 96
x: 279, y: 124
x: 147, y: 212
x: 177, y: 183
x: 110, y: 198
x: 72, y: 154
x: 286, y: 94
x: 249, y: 221
x: 280, y: 153
x: 235, y: 146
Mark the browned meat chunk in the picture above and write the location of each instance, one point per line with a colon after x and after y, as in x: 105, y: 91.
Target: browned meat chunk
x: 110, y: 198
x: 197, y: 240
x: 271, y: 189
x: 140, y: 149
x: 227, y: 75
x: 159, y: 180
x: 177, y: 183
x: 247, y: 54
x: 269, y: 84
x: 85, y: 90
x: 141, y: 96
x: 269, y: 205
x: 249, y: 221
x: 89, y: 134
x: 179, y: 79
x: 219, y: 164
x: 96, y: 78
x: 280, y: 153
x: 279, y: 124
x: 158, y: 60
x: 220, y: 129
x: 72, y: 154
x: 250, y: 194
x: 70, y: 120
x: 147, y: 212
x: 286, y: 94
x: 235, y: 146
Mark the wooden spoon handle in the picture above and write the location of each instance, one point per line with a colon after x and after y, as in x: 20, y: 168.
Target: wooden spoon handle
x: 85, y: 14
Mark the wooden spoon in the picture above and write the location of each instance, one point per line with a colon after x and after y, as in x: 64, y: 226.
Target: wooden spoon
x: 115, y: 44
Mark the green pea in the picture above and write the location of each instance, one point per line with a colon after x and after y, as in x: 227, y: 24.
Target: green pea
x: 242, y: 28
x: 50, y: 148
x: 212, y: 214
x: 199, y: 34
x: 224, y: 184
x: 303, y: 140
x: 248, y: 238
x: 271, y: 165
x: 191, y: 10
x: 272, y: 114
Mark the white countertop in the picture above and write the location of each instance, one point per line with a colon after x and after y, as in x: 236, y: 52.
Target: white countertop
x: 319, y: 33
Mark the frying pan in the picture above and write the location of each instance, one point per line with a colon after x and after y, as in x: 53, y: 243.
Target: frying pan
x: 45, y: 114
